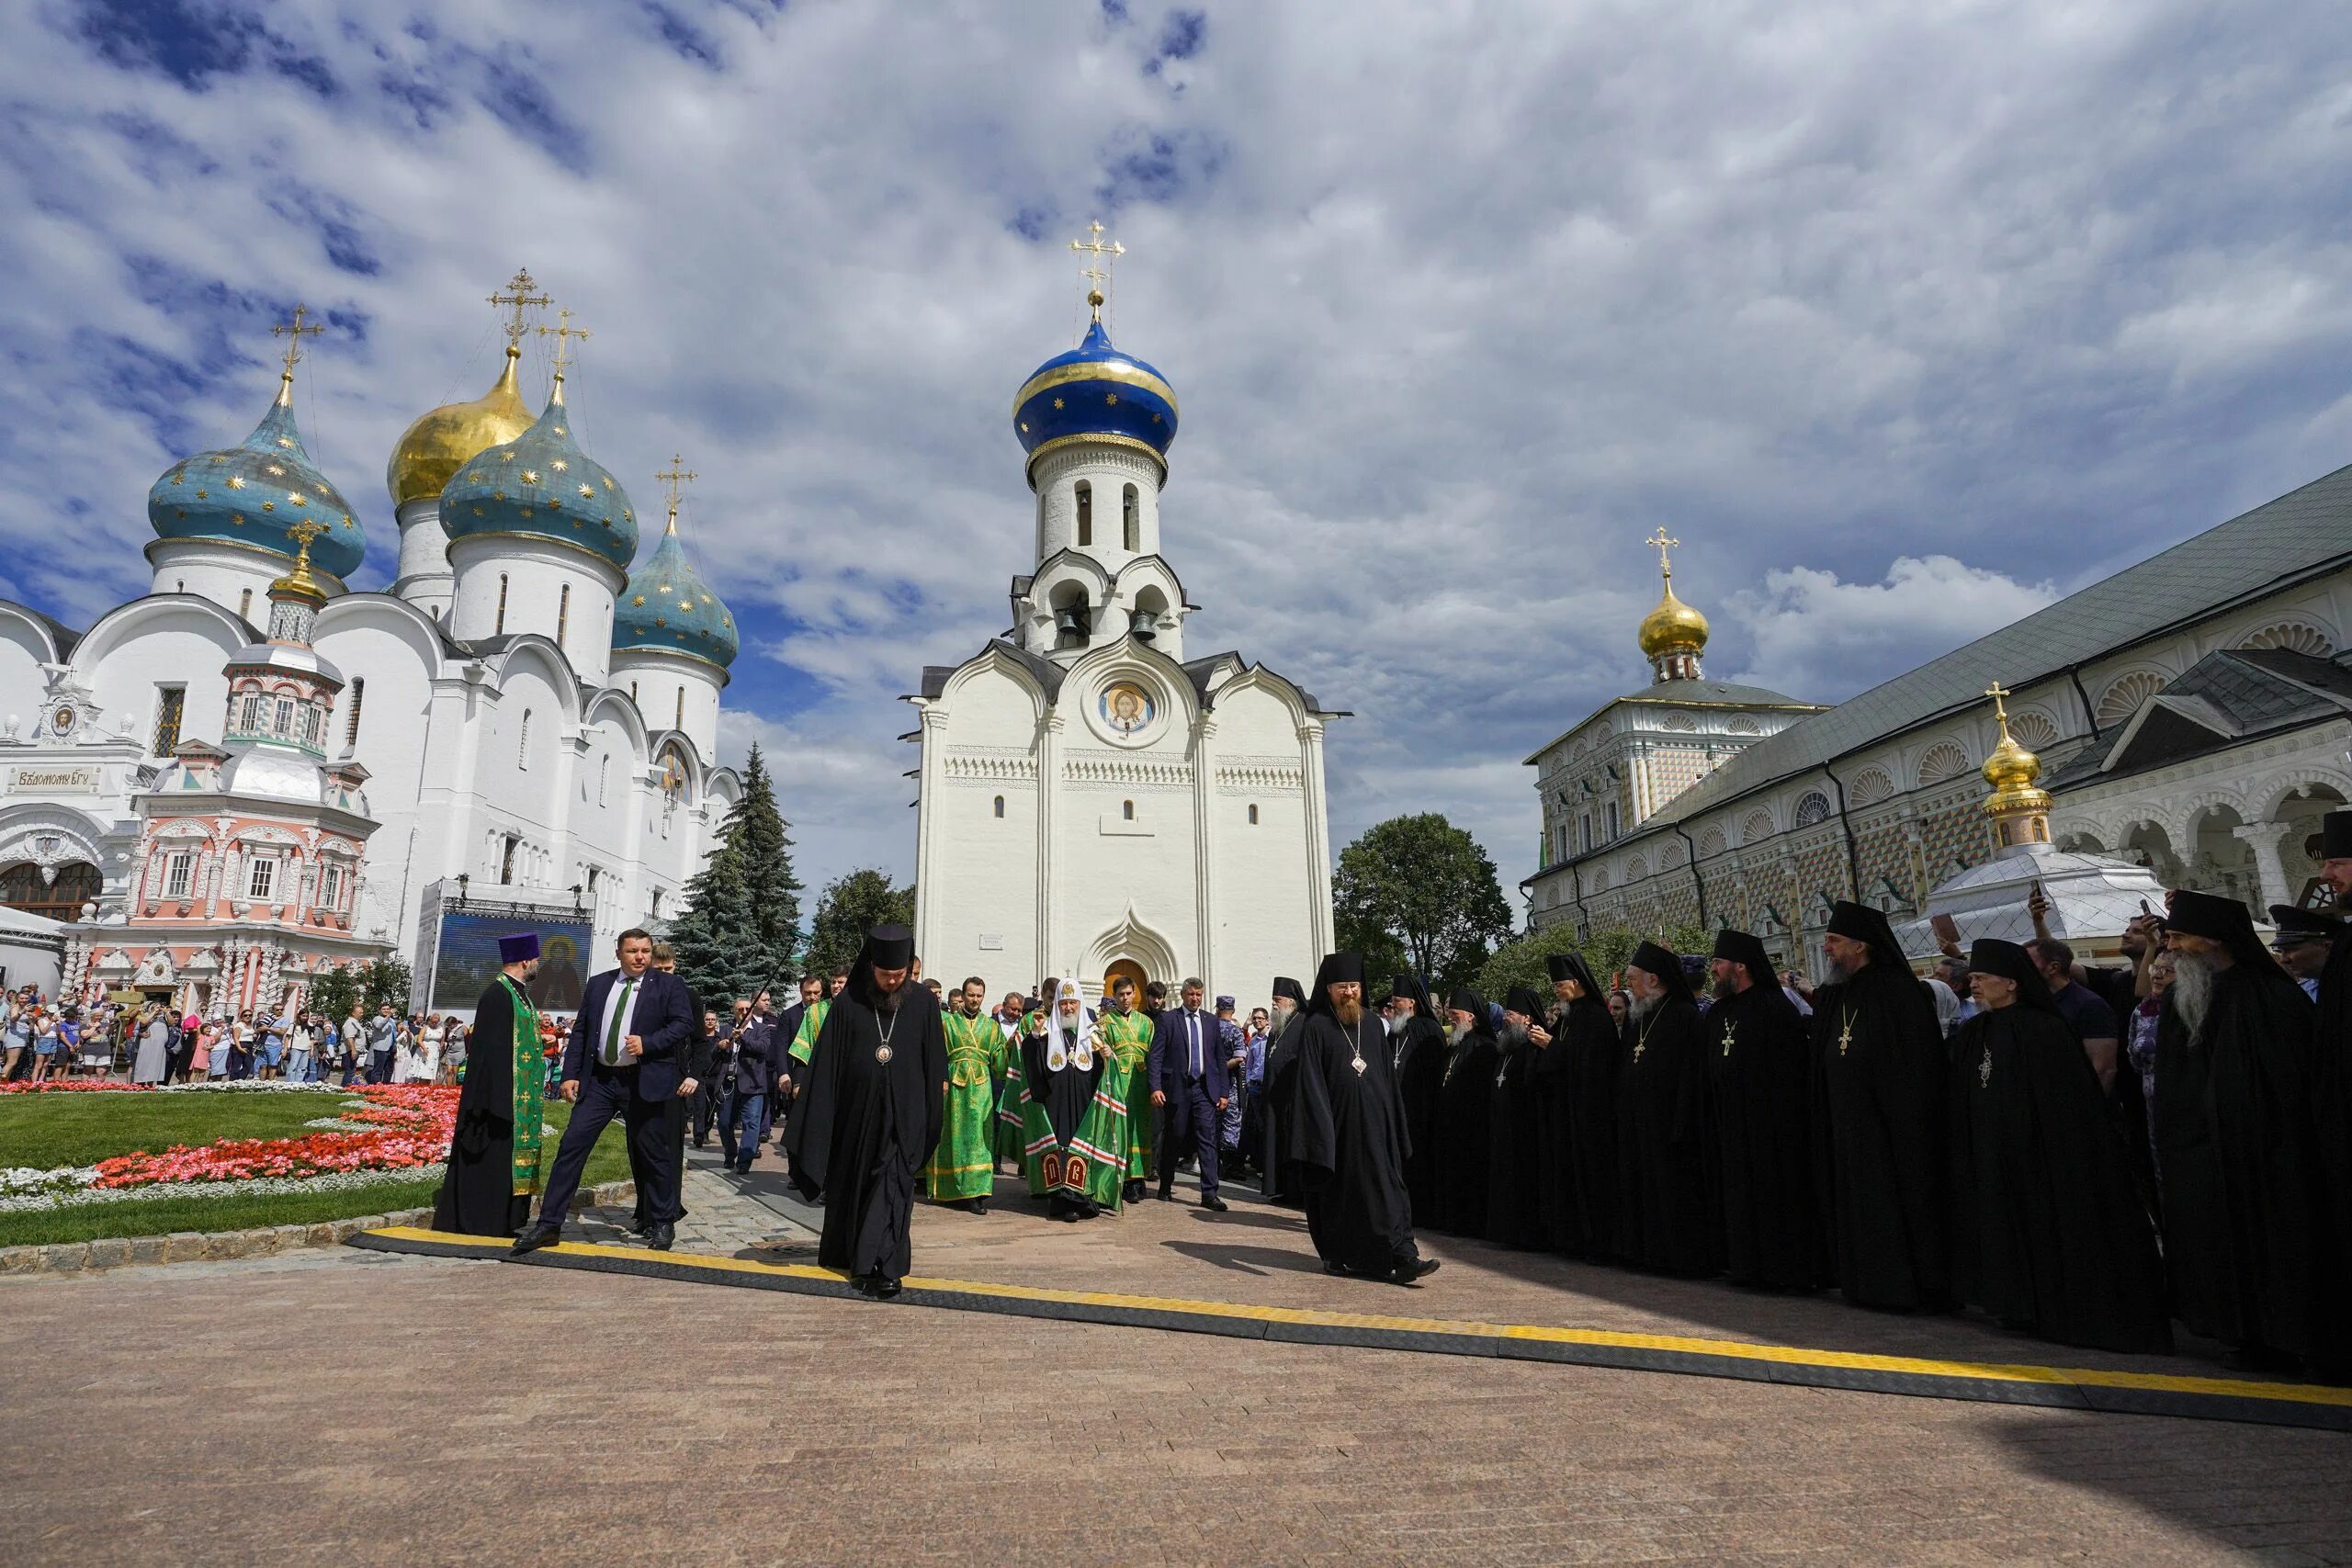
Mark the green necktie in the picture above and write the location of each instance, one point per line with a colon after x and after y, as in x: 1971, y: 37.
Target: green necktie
x: 613, y: 1028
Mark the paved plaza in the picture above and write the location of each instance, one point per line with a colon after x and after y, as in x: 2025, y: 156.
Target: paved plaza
x: 367, y: 1408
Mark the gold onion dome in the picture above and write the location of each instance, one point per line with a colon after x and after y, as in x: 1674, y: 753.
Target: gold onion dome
x: 1672, y: 627
x: 442, y: 441
x: 2018, y: 805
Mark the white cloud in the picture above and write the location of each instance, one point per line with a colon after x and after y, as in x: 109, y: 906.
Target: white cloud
x: 1817, y: 638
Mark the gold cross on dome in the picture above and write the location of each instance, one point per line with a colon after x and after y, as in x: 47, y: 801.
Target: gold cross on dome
x: 1661, y: 544
x: 303, y: 533
x: 1097, y: 272
x: 1997, y: 693
x: 294, y: 332
x: 677, y: 476
x: 562, y: 332
x: 519, y: 298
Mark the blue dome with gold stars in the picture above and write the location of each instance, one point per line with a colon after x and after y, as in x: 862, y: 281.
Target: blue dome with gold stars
x: 1095, y: 393
x: 542, y: 485
x: 667, y: 607
x: 252, y: 492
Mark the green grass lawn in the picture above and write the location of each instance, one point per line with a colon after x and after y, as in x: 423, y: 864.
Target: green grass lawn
x: 46, y: 1130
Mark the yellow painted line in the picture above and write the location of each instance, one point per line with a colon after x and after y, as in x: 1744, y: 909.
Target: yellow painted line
x: 1731, y: 1349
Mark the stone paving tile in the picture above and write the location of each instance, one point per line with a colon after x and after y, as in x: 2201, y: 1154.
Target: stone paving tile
x: 376, y: 1408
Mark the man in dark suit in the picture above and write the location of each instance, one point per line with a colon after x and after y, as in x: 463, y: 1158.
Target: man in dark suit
x: 625, y: 1059
x: 695, y: 1063
x: 744, y: 1114
x: 1189, y: 1085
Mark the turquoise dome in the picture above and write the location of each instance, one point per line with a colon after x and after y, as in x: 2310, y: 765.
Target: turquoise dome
x: 252, y: 492
x: 540, y: 483
x: 1094, y: 392
x: 667, y: 606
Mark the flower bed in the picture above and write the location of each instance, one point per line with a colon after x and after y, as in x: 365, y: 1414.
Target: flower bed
x: 408, y: 1125
x: 219, y: 1085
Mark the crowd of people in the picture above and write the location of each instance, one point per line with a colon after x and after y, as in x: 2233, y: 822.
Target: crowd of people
x: 153, y: 1043
x: 2086, y: 1155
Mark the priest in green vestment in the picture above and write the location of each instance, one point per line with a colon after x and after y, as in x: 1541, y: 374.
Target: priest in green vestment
x: 494, y: 1151
x: 1124, y: 1037
x: 962, y: 1171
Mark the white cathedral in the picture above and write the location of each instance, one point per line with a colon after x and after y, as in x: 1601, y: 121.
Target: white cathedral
x: 1093, y: 802
x: 528, y: 716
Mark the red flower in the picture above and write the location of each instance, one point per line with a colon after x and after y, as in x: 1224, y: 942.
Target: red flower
x: 409, y: 1125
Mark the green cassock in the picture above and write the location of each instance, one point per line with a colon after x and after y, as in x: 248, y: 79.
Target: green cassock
x: 1012, y: 1106
x: 812, y: 1022
x: 1128, y: 1036
x: 964, y: 1163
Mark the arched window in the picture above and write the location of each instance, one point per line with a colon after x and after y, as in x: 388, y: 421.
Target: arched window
x: 523, y: 751
x: 249, y: 713
x: 501, y: 626
x: 358, y: 696
x: 1812, y: 808
x: 1609, y: 817
x: 1130, y: 531
x: 245, y: 605
x: 1000, y: 806
x: 23, y: 887
x: 563, y: 613
x: 1127, y: 810
x: 282, y: 722
x: 1085, y: 514
x: 1253, y: 817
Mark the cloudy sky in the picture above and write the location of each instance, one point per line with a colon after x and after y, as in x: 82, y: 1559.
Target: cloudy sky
x: 1903, y: 317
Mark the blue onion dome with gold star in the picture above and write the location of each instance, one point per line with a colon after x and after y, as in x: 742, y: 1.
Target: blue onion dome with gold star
x: 1095, y: 393
x: 541, y: 485
x: 252, y: 492
x: 667, y: 607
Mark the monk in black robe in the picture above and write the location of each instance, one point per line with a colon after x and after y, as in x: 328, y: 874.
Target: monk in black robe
x: 2049, y: 1233
x: 1282, y: 1051
x: 1417, y: 1045
x: 1759, y: 1066
x: 1514, y: 1140
x: 870, y: 1114
x: 1666, y: 1150
x: 1462, y: 1117
x: 2235, y: 1136
x: 2332, y: 1105
x: 1881, y: 1092
x: 1576, y: 1090
x: 494, y: 1149
x: 1345, y: 1133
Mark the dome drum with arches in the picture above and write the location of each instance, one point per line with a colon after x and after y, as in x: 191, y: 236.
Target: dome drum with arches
x: 1095, y: 393
x: 251, y: 493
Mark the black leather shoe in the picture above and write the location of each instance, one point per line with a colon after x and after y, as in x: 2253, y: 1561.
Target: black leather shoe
x: 1419, y: 1270
x: 660, y: 1237
x: 1164, y: 1194
x: 1213, y: 1203
x: 535, y: 1239
x: 979, y: 1205
x: 883, y: 1289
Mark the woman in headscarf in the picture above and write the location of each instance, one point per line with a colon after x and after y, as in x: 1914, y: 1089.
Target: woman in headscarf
x: 2049, y: 1234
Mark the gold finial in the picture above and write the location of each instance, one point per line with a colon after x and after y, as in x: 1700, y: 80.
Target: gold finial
x: 1097, y: 272
x: 676, y: 477
x: 562, y: 332
x: 2018, y: 807
x: 1661, y: 544
x: 293, y: 332
x: 299, y: 582
x: 519, y: 298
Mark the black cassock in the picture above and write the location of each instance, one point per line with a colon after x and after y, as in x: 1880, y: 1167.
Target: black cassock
x: 863, y: 1127
x: 2332, y: 1106
x: 1760, y: 1067
x: 2049, y: 1232
x: 1282, y: 1057
x: 1344, y: 1135
x: 1420, y: 1078
x: 1462, y: 1133
x: 1879, y: 1137
x: 1575, y: 1090
x: 1666, y: 1152
x: 1514, y: 1146
x: 2240, y: 1175
x: 478, y: 1196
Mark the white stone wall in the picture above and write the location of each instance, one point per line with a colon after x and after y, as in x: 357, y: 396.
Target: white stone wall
x: 426, y: 578
x: 534, y: 574
x: 674, y: 692
x: 232, y: 576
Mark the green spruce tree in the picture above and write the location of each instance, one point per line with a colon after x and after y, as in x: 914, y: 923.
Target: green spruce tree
x: 742, y: 924
x: 761, y: 837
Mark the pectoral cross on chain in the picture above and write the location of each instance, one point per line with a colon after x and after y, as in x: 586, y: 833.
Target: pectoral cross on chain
x: 1845, y: 1034
x: 1726, y: 1039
